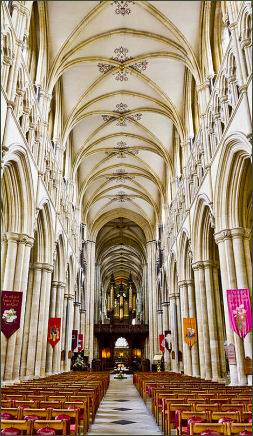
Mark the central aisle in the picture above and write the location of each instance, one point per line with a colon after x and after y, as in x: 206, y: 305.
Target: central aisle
x: 122, y: 412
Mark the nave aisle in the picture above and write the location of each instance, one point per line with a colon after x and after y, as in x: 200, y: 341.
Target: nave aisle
x: 123, y: 412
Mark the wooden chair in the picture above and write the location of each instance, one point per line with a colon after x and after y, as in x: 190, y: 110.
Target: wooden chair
x: 245, y: 416
x: 216, y: 416
x: 41, y: 413
x: 6, y: 403
x: 24, y: 426
x: 13, y: 412
x: 82, y: 406
x: 220, y: 400
x: 50, y: 404
x: 30, y: 404
x: 199, y: 427
x: 54, y: 424
x: 246, y: 400
x: 14, y: 396
x: 185, y: 415
x: 236, y: 428
x: 169, y: 421
x: 74, y: 418
x: 209, y: 407
x: 60, y: 398
x: 233, y: 407
x: 91, y: 403
x: 158, y: 403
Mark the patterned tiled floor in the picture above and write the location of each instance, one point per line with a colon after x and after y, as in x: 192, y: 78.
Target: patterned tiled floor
x: 122, y: 412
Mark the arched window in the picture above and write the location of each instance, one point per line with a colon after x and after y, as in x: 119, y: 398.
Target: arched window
x: 219, y: 37
x: 31, y: 52
x: 121, y: 343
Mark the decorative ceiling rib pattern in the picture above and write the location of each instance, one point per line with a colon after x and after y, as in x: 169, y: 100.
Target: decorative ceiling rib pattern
x: 122, y: 67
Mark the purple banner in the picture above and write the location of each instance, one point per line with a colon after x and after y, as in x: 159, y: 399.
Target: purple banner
x: 239, y: 311
x: 11, y: 302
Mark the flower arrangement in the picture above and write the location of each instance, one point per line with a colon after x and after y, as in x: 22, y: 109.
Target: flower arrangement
x: 120, y: 376
x: 9, y: 315
x: 240, y: 315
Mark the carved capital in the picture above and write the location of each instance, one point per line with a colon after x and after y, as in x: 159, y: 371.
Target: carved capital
x: 238, y: 232
x: 71, y: 297
x: 222, y: 235
x: 182, y: 283
x: 198, y: 265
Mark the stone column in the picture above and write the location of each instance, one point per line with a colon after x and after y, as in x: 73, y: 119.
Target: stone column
x: 58, y: 314
x: 192, y: 314
x: 200, y: 283
x: 184, y: 314
x: 179, y: 330
x: 151, y: 287
x: 82, y: 322
x: 160, y: 321
x: 165, y: 311
x: 45, y: 329
x: 200, y: 326
x: 17, y: 249
x: 212, y: 322
x: 220, y: 321
x: 77, y: 306
x: 64, y: 323
x: 32, y: 336
x: 238, y: 236
x: 69, y: 328
x: 44, y: 291
x: 49, y: 360
x: 92, y: 297
x: 228, y: 276
x: 174, y: 332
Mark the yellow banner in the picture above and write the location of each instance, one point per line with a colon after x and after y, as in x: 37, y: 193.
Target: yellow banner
x: 190, y: 331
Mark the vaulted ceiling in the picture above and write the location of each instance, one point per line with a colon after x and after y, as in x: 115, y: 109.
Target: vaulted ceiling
x: 122, y: 65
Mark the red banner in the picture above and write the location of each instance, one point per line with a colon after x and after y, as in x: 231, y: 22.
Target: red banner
x: 80, y: 342
x: 54, y: 331
x: 74, y: 340
x: 11, y: 302
x: 239, y: 311
x: 162, y: 343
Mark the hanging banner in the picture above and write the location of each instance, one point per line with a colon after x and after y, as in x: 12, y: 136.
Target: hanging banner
x: 239, y: 311
x: 168, y: 340
x: 190, y: 331
x: 80, y: 342
x: 11, y: 302
x: 74, y: 340
x: 54, y: 329
x: 162, y: 343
